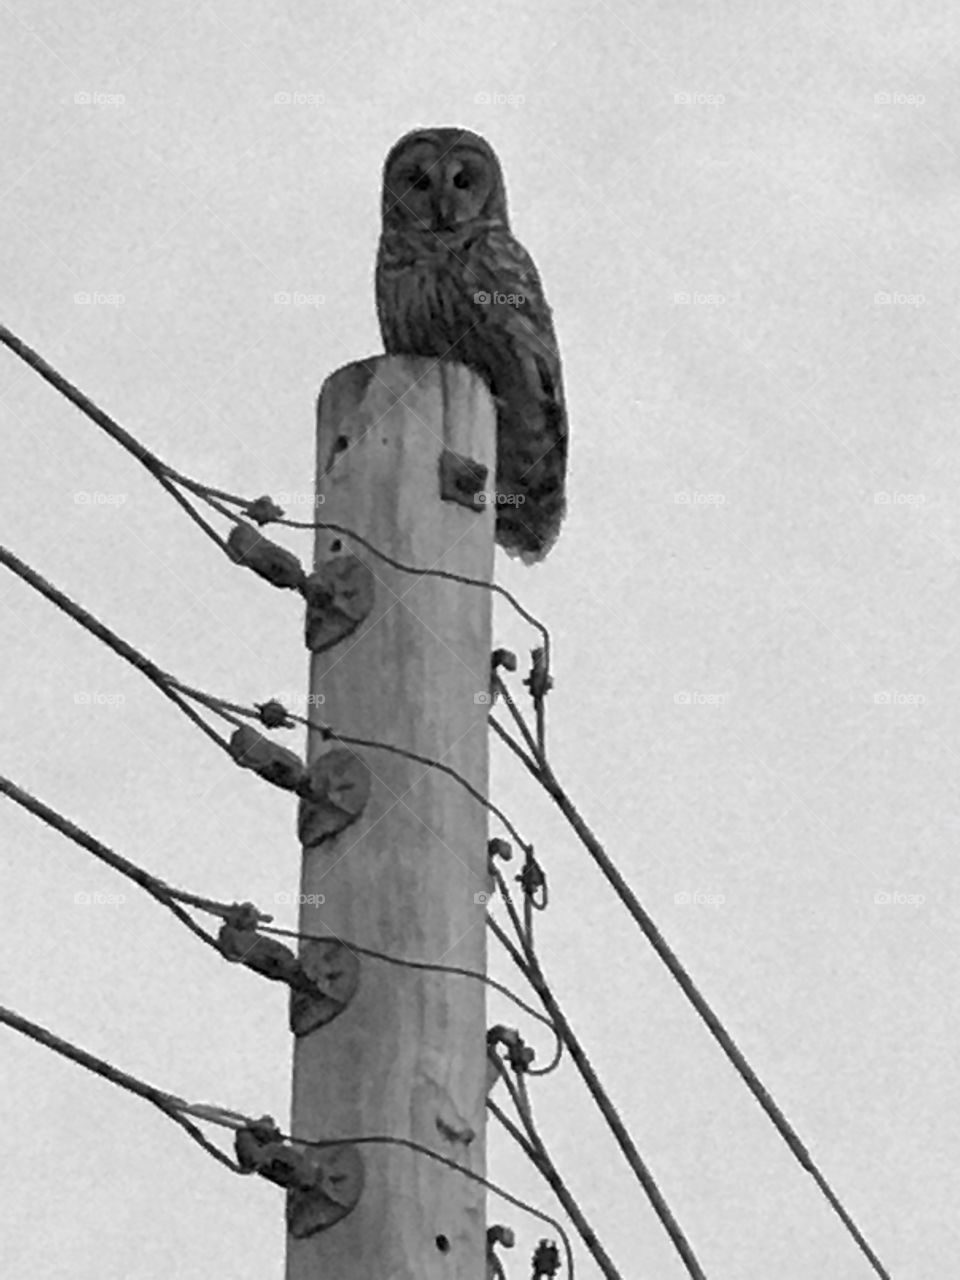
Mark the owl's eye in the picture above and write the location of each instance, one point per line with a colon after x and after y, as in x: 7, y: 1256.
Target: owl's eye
x: 461, y: 179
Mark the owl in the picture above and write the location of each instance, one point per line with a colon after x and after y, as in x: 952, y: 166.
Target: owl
x: 453, y: 283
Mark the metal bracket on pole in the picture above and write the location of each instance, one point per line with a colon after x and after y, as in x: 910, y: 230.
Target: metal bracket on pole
x: 323, y: 1184
x: 331, y: 972
x: 334, y: 791
x: 462, y: 479
x: 322, y: 980
x: 338, y: 1182
x: 338, y: 595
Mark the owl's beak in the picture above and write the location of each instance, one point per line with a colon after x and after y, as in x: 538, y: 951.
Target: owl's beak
x: 445, y: 217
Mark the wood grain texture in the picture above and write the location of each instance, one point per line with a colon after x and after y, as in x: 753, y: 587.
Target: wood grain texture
x: 407, y: 1057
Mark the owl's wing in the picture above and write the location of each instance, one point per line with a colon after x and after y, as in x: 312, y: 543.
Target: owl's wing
x: 517, y: 351
x: 524, y: 327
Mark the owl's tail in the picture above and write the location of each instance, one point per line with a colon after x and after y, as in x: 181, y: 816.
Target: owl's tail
x: 531, y: 476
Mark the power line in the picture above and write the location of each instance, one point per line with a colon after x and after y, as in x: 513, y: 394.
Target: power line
x: 172, y: 688
x: 542, y: 771
x: 544, y: 774
x: 169, y: 1104
x: 168, y: 897
x: 177, y: 1109
x: 149, y: 883
x: 534, y: 757
x: 535, y: 1150
x: 108, y: 637
x: 168, y: 477
x: 434, y: 967
x: 529, y: 966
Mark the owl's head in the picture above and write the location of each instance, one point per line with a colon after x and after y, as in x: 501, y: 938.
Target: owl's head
x: 442, y: 180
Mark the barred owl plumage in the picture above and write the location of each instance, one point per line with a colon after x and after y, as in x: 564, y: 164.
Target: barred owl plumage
x: 453, y: 283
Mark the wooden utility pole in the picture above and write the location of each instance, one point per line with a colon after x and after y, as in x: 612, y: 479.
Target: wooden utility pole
x: 403, y: 660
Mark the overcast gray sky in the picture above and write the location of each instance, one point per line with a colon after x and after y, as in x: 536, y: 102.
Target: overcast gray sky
x: 746, y: 219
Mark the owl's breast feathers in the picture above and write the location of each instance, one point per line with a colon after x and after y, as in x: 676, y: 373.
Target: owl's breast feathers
x: 475, y: 297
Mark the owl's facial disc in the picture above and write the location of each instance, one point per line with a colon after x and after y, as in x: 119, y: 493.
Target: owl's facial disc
x: 441, y: 187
